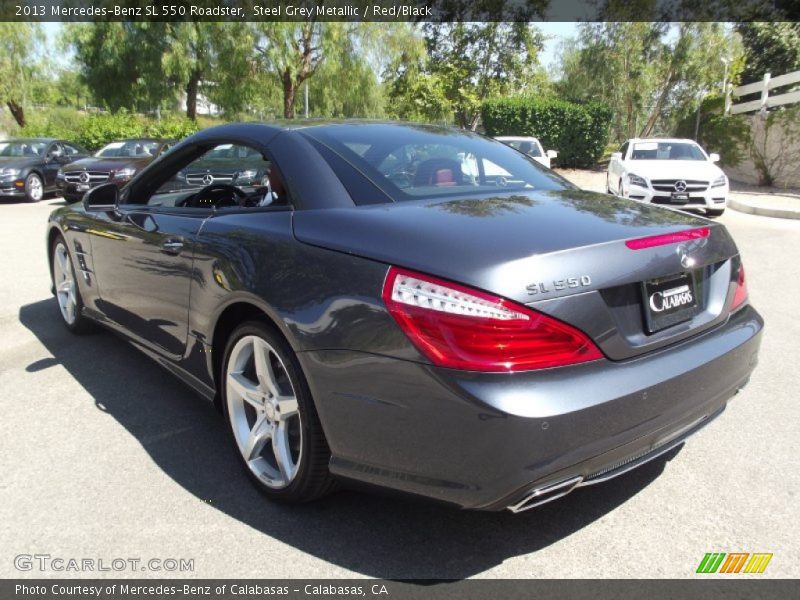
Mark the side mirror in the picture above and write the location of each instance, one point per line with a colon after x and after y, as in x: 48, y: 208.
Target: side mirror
x: 551, y: 153
x: 617, y: 156
x: 103, y: 198
x: 713, y: 157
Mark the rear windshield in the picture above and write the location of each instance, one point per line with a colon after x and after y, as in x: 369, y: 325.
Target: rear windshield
x: 529, y: 148
x: 666, y: 151
x: 410, y: 162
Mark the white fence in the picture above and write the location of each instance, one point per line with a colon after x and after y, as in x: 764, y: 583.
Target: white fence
x: 765, y: 101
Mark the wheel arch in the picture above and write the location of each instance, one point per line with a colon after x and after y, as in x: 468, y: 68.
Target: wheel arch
x: 230, y: 317
x: 52, y: 233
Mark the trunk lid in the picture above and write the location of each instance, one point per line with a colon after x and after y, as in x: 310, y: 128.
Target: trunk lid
x: 562, y: 252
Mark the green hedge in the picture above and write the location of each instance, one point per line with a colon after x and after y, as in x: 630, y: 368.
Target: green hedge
x: 579, y: 132
x: 95, y: 131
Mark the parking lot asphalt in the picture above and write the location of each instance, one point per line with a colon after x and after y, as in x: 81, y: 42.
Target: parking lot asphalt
x: 105, y: 455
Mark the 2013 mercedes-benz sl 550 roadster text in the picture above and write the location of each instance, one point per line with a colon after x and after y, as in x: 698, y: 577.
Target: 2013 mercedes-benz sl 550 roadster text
x: 412, y: 307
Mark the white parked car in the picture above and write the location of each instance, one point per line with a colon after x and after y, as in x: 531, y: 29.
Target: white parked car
x: 668, y: 171
x: 529, y: 146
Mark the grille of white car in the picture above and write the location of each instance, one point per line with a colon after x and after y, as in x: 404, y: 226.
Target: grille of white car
x: 668, y: 185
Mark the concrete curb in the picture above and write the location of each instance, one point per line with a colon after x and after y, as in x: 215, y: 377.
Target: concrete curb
x: 764, y: 211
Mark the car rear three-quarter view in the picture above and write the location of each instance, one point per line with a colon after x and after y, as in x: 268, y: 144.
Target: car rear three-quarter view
x: 412, y: 307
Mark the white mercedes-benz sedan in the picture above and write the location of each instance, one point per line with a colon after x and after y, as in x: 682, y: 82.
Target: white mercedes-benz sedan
x: 668, y: 171
x: 530, y: 146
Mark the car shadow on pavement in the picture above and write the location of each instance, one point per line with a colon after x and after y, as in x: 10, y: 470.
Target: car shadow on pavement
x: 372, y: 534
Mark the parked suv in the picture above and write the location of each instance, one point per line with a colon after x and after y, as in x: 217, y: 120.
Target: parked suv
x: 116, y: 163
x: 668, y: 171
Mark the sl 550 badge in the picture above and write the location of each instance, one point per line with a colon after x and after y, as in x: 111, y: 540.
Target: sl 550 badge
x: 557, y: 285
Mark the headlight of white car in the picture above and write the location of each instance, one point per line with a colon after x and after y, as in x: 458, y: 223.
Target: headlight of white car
x: 636, y: 180
x: 721, y: 180
x: 125, y: 173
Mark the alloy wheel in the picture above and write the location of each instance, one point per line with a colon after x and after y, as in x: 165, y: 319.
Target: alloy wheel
x: 34, y: 188
x: 64, y: 281
x: 263, y: 410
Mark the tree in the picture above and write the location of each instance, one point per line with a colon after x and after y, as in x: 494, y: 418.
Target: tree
x: 121, y: 62
x: 474, y: 61
x: 203, y: 55
x: 293, y: 52
x: 770, y: 48
x: 412, y: 92
x: 144, y: 65
x: 18, y: 46
x: 650, y: 75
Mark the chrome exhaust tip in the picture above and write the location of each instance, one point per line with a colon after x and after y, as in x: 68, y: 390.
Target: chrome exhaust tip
x: 546, y: 494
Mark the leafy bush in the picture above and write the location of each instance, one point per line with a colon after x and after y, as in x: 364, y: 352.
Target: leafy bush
x: 57, y: 122
x: 98, y: 130
x: 579, y: 132
x: 95, y: 131
x: 728, y: 136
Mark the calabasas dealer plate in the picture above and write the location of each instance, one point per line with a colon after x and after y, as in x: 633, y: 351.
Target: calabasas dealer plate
x: 669, y: 300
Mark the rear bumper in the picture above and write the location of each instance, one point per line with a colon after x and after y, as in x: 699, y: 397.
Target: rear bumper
x: 488, y: 440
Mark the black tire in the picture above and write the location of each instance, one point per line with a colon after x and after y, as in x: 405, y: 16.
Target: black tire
x: 34, y: 188
x: 80, y: 325
x: 313, y: 479
x: 713, y: 213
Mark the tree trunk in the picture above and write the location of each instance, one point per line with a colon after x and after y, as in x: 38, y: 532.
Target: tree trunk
x: 654, y: 114
x: 17, y: 112
x: 191, y: 95
x: 289, y: 91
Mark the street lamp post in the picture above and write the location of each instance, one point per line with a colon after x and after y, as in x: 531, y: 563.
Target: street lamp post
x: 726, y: 61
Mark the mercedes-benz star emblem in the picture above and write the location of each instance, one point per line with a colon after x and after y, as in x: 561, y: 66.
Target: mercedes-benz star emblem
x: 680, y: 186
x: 684, y: 252
x: 84, y: 177
x: 208, y: 179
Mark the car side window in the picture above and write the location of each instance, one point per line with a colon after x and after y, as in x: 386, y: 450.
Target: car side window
x: 70, y: 150
x: 225, y: 176
x: 54, y: 150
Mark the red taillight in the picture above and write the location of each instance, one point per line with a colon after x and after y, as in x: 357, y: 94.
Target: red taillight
x: 668, y: 238
x: 740, y: 296
x: 462, y: 328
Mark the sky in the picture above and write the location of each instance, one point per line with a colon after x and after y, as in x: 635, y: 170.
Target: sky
x: 556, y: 32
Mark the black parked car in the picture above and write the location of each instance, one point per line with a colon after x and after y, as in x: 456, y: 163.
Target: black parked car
x: 115, y: 162
x: 28, y: 167
x: 379, y: 309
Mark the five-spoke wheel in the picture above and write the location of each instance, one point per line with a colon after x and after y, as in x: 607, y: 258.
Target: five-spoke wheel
x: 271, y: 415
x: 65, y: 286
x: 34, y: 189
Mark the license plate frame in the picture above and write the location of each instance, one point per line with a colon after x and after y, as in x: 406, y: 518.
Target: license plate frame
x: 669, y: 300
x: 679, y: 198
x: 83, y: 187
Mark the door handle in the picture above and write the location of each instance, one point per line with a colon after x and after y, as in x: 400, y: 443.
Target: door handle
x: 172, y: 246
